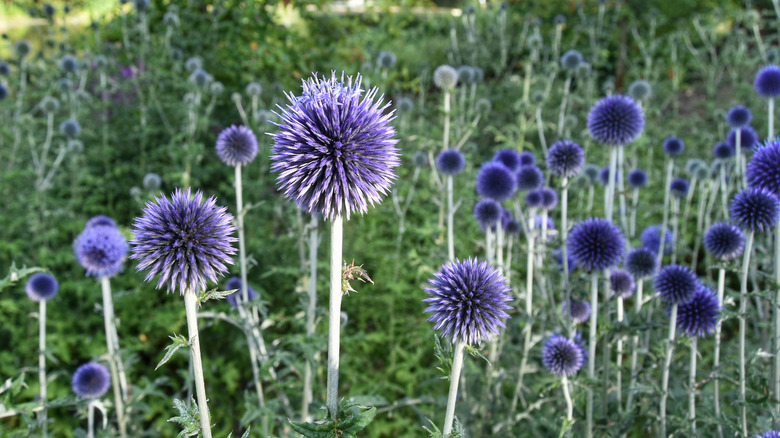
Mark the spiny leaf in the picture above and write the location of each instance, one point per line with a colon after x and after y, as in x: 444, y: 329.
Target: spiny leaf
x: 214, y: 294
x: 476, y: 353
x: 179, y: 341
x: 188, y: 418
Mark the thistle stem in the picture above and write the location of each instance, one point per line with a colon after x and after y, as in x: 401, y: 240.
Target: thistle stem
x: 564, y: 101
x: 564, y: 254
x: 241, y: 241
x: 771, y: 118
x: 108, y: 320
x: 334, y: 316
x: 619, y: 358
x: 692, y: 386
x: 742, y: 310
x: 667, y: 365
x: 716, y: 357
x: 776, y: 315
x: 91, y: 419
x: 662, y: 231
x: 567, y: 396
x: 450, y: 221
x: 640, y: 283
x: 457, y: 364
x: 610, y: 197
x: 621, y: 188
x: 634, y: 203
x: 738, y: 160
x: 594, y: 308
x: 675, y: 228
x: 190, y: 306
x: 42, y: 416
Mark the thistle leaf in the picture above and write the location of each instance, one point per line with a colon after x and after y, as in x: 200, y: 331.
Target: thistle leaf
x: 179, y: 341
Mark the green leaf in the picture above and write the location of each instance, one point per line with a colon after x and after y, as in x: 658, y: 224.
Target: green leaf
x: 245, y: 435
x: 476, y: 353
x: 362, y: 419
x: 352, y: 418
x: 188, y: 418
x: 179, y: 341
x: 214, y: 294
x: 15, y: 274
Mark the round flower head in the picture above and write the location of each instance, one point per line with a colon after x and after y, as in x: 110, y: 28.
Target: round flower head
x: 641, y: 262
x: 68, y: 64
x: 748, y: 139
x: 466, y: 74
x: 484, y: 106
x: 3, y: 91
x: 253, y: 89
x: 236, y: 146
x: 558, y: 255
x: 549, y: 198
x: 101, y: 250
x: 386, y: 59
x: 496, y: 181
x: 640, y: 90
x: 234, y: 283
x: 22, y: 48
x: 539, y: 222
x: 674, y: 146
x: 679, y: 187
x: 420, y: 159
x: 621, y: 283
x: 513, y: 227
x: 445, y: 77
x: 184, y: 240
x: 534, y: 41
x: 534, y: 198
x: 651, y: 239
x: 527, y: 158
x: 200, y: 77
x: 739, y: 116
x: 5, y: 69
x: 506, y: 217
x: 537, y: 97
x: 725, y: 241
x: 404, y: 104
x: 763, y: 170
x: 693, y: 166
x: 450, y: 162
x: 565, y: 158
x: 509, y: 158
x: 487, y: 212
x: 755, y: 209
x: 529, y: 178
x: 571, y: 59
x: 615, y: 120
x: 335, y: 152
x: 100, y: 221
x: 580, y: 311
x: 699, y: 316
x: 637, y: 178
x: 70, y: 128
x: 558, y: 19
x: 91, y: 380
x: 604, y: 175
x: 192, y: 64
x: 596, y: 243
x: 767, y: 81
x: 152, y: 181
x: 468, y: 301
x: 41, y: 287
x: 562, y: 356
x: 570, y: 122
x: 676, y: 284
x: 770, y: 434
x: 723, y: 151
x: 49, y: 104
x: 591, y: 173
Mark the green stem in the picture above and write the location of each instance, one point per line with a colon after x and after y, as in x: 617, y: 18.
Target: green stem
x: 334, y: 317
x: 457, y: 364
x: 692, y: 386
x: 716, y: 357
x: 742, y: 310
x: 190, y: 306
x: 594, y: 308
x: 108, y: 320
x: 42, y: 366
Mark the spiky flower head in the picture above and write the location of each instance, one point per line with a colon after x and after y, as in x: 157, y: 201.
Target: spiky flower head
x: 200, y: 77
x: 770, y: 434
x: 193, y: 63
x: 640, y: 90
x: 558, y: 257
x: 549, y: 198
x: 529, y: 178
x: 723, y: 151
x: 534, y: 199
x: 49, y: 104
x: 468, y: 301
x: 559, y: 19
x: 91, y: 380
x: 748, y: 139
x: 509, y: 158
x: 621, y: 283
x: 724, y: 240
x: 596, y: 243
x: 699, y: 316
x: 755, y: 209
x: 615, y: 120
x: 404, y: 104
x: 445, y: 77
x: 565, y: 158
x: 694, y: 166
x: 385, y: 59
x: 100, y: 221
x: 641, y: 262
x: 253, y: 89
x: 571, y: 59
x: 450, y: 162
x: 591, y: 173
x: 676, y: 284
x: 335, y: 151
x: 22, y: 48
x: 527, y: 158
x: 234, y: 283
x: 5, y: 69
x: 739, y: 116
x: 562, y: 356
x: 651, y: 239
x: 184, y: 240
x: 496, y: 181
x: 152, y: 181
x: 236, y: 145
x: 70, y: 128
x: 487, y: 212
x: 466, y: 74
x: 604, y: 175
x: 580, y: 311
x: 101, y: 250
x: 763, y: 169
x: 679, y: 187
x: 674, y: 146
x: 767, y: 81
x: 69, y: 64
x: 637, y: 178
x: 41, y: 287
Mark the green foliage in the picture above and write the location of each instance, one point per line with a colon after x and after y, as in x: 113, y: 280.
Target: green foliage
x: 351, y: 419
x: 188, y: 418
x: 16, y: 274
x: 179, y: 341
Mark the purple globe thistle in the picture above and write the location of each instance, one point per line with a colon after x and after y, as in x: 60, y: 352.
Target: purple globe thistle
x: 496, y: 181
x: 637, y: 178
x: 70, y: 128
x: 91, y: 380
x: 450, y: 162
x: 755, y: 209
x: 100, y: 221
x: 580, y: 311
x: 509, y: 158
x: 674, y: 146
x: 699, y: 316
x: 235, y: 283
x: 571, y: 59
x: 641, y: 262
x: 101, y: 250
x: 723, y: 151
x: 527, y: 158
x: 763, y: 170
x: 487, y: 212
x: 739, y: 116
x: 565, y: 158
x: 676, y: 284
x: 539, y: 222
x: 236, y: 146
x: 506, y: 217
x: 591, y: 173
x: 615, y: 120
x: 468, y: 300
x: 558, y: 256
x: 725, y: 241
x: 529, y: 178
x: 767, y: 81
x: 770, y: 434
x: 549, y: 198
x: 41, y: 287
x: 534, y: 198
x: 651, y: 239
x: 513, y: 228
x: 604, y: 175
x: 621, y: 283
x: 640, y: 90
x: 596, y: 243
x: 184, y: 240
x: 562, y: 356
x: 335, y: 152
x: 748, y: 139
x: 679, y: 187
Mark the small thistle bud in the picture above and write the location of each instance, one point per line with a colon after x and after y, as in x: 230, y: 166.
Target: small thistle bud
x: 534, y: 41
x: 176, y: 54
x: 640, y: 90
x: 584, y: 69
x: 608, y: 86
x: 264, y: 116
x: 445, y: 77
x: 200, y: 77
x: 420, y: 159
x: 192, y: 64
x: 570, y: 121
x: 450, y: 162
x: 484, y: 106
x: 404, y: 105
x: 68, y: 64
x: 772, y: 55
x: 537, y: 97
x: 48, y: 10
x: 171, y: 19
x: 135, y: 192
x: 466, y: 74
x: 253, y: 89
x: 75, y: 146
x: 91, y: 380
x: 64, y: 84
x: 141, y: 5
x: 191, y: 99
x: 386, y: 60
x: 559, y: 19
x: 100, y: 62
x: 216, y: 88
x: 70, y: 128
x: 5, y: 69
x: 571, y: 60
x: 591, y: 173
x: 22, y: 48
x: 49, y: 104
x: 152, y: 181
x: 3, y: 91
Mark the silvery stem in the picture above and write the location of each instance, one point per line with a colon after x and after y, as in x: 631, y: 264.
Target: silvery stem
x: 108, y: 320
x: 91, y: 419
x: 450, y: 221
x: 667, y: 365
x: 662, y: 231
x: 738, y: 161
x: 42, y: 365
x: 457, y: 364
x: 692, y: 386
x: 334, y: 316
x: 529, y: 274
x: 564, y: 253
x: 619, y: 358
x: 640, y: 283
x: 567, y: 396
x: 564, y: 101
x: 675, y: 228
x: 771, y: 115
x: 777, y: 317
x: 716, y: 357
x: 742, y: 310
x: 634, y: 203
x: 610, y: 196
x: 308, y: 396
x: 190, y: 306
x: 594, y: 308
x: 621, y: 188
x: 589, y: 207
x: 241, y: 245
x: 500, y: 247
x: 446, y: 139
x: 540, y: 128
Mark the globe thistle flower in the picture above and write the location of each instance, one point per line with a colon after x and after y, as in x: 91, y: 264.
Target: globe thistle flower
x: 445, y: 77
x: 591, y: 173
x: 100, y: 62
x: 68, y: 64
x: 216, y: 88
x: 549, y: 198
x: 420, y: 159
x: 41, y: 287
x: 724, y: 240
x: 487, y: 212
x: 674, y: 146
x: 527, y: 158
x: 615, y: 120
x: 679, y: 187
x: 621, y: 283
x: 676, y: 284
x: 236, y: 146
x: 234, y: 283
x: 64, y: 84
x: 404, y: 105
x: 533, y: 198
x: 253, y: 89
x: 484, y: 106
x: 141, y: 5
x: 171, y: 19
x: 537, y: 97
x: 571, y: 60
x: 558, y: 19
x: 770, y: 434
x: 723, y: 151
x: 335, y: 152
x: 583, y: 70
x: 184, y: 240
x: 49, y: 104
x: 509, y: 158
x: 699, y: 316
x: 529, y: 178
x: 608, y: 86
x: 558, y: 256
x: 450, y: 162
x: 152, y: 181
x: 570, y: 122
x: 748, y: 139
x: 479, y: 76
x: 739, y: 116
x: 100, y: 221
x: 641, y: 262
x: 385, y: 59
x: 496, y: 181
x: 651, y: 239
x: 466, y: 74
x: 565, y: 159
x: 91, y: 380
x: 580, y: 311
x: 767, y: 81
x: 604, y: 175
x: 640, y: 90
x: 22, y: 48
x: 534, y: 41
x: 48, y: 9
x: 468, y: 301
x: 200, y: 77
x: 562, y: 356
x: 540, y: 221
x: 70, y: 128
x: 755, y: 209
x: 3, y: 91
x: 596, y: 243
x: 763, y: 170
x: 5, y: 69
x: 693, y: 165
x: 513, y: 228
x: 101, y: 250
x: 193, y: 63
x: 637, y: 178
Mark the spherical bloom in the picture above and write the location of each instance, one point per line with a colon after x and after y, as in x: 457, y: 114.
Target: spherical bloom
x: 216, y: 88
x: 679, y: 187
x: 445, y: 77
x: 91, y: 380
x: 537, y: 97
x: 693, y: 166
x: 509, y: 158
x: 565, y: 158
x: 496, y: 181
x: 676, y: 284
x: 640, y: 90
x: 674, y: 146
x: 604, y: 175
x: 527, y: 158
x: 468, y: 301
x: 68, y: 64
x: 50, y: 104
x: 404, y: 104
x: 386, y: 59
x: 184, y: 240
x: 641, y: 262
x: 596, y: 243
x: 570, y: 122
x: 253, y: 89
x: 591, y: 173
x: 483, y: 106
x: 723, y: 151
x: 22, y: 48
x: 5, y: 69
x: 466, y: 74
x: 748, y: 139
x: 724, y: 240
x: 193, y: 63
x: 562, y: 356
x: 335, y: 152
x: 572, y: 262
x: 70, y: 128
x: 767, y: 81
x: 540, y: 222
x: 3, y: 91
x: 580, y: 311
x: 651, y: 239
x: 236, y: 146
x: 770, y: 434
x: 487, y: 212
x: 513, y: 227
x: 699, y: 316
x: 171, y: 19
x: 101, y: 250
x: 450, y: 162
x: 621, y: 283
x: 534, y: 198
x: 234, y: 283
x: 534, y: 41
x: 200, y: 77
x: 420, y: 159
x: 152, y: 181
x: 41, y: 287
x: 584, y: 70
x: 571, y: 59
x: 549, y: 198
x: 100, y: 221
x: 739, y: 116
x: 529, y: 178
x: 763, y: 170
x: 637, y: 178
x: 755, y: 209
x: 615, y: 120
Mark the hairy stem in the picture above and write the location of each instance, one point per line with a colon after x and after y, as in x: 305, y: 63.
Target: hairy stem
x: 457, y: 364
x: 190, y: 306
x: 334, y: 316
